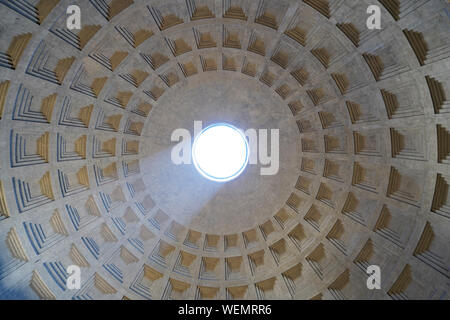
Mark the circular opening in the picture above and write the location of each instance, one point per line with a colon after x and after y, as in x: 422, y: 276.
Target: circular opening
x: 220, y: 152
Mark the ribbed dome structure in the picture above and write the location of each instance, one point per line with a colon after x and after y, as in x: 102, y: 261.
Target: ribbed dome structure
x: 86, y: 176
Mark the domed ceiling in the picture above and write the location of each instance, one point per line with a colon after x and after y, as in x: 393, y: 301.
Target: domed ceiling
x: 87, y: 179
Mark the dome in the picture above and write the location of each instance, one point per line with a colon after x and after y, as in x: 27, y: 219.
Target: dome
x: 346, y: 133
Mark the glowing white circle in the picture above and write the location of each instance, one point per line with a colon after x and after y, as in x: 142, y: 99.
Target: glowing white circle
x: 220, y: 152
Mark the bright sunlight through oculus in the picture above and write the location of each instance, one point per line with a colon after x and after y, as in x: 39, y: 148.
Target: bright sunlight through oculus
x: 220, y: 152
